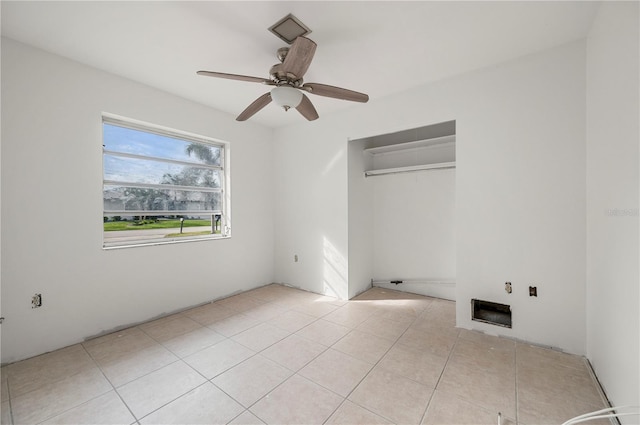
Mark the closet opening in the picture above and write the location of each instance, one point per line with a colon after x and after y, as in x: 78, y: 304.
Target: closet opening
x: 402, y: 190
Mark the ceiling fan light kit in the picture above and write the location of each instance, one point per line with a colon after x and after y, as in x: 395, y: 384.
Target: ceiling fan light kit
x: 287, y: 75
x: 286, y: 96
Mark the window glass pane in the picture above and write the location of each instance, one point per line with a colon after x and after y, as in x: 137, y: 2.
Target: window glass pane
x: 126, y: 140
x: 123, y: 230
x: 124, y: 198
x: 161, y: 186
x: 134, y: 170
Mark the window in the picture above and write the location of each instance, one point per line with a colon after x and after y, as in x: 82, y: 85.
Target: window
x: 161, y: 185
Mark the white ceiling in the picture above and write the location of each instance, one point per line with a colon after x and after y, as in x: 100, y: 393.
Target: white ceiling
x: 375, y: 47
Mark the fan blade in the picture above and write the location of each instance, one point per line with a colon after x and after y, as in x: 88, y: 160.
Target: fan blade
x: 257, y: 105
x: 306, y: 109
x: 335, y: 92
x: 234, y: 77
x: 299, y: 57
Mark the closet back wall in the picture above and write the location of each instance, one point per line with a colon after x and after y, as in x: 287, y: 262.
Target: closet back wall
x: 414, y: 229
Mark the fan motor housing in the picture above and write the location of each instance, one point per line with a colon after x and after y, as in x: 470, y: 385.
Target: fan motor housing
x: 282, y: 77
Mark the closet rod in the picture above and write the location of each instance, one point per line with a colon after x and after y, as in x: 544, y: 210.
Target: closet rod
x: 439, y: 166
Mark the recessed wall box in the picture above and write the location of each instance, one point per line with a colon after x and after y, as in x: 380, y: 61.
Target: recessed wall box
x: 490, y: 312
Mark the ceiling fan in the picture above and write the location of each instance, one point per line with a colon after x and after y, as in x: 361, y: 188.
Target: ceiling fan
x: 286, y: 77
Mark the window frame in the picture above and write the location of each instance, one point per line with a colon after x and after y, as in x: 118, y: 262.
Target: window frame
x: 224, y: 174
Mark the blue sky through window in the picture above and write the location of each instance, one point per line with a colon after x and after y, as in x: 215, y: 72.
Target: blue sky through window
x: 127, y: 140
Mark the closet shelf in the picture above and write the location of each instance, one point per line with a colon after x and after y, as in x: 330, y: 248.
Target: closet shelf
x: 426, y: 143
x: 396, y: 170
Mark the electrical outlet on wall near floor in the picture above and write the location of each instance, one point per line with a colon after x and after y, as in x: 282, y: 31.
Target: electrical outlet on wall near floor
x: 36, y: 301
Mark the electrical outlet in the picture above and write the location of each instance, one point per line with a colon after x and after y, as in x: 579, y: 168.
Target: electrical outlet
x: 507, y: 287
x: 533, y: 291
x: 36, y: 301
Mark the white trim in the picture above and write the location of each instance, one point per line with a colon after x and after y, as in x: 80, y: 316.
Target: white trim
x: 162, y: 186
x: 158, y: 129
x: 417, y: 144
x: 156, y: 212
x: 141, y: 242
x: 158, y: 159
x: 438, y: 166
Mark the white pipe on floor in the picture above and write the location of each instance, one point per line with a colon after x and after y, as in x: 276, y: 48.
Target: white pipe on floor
x: 603, y: 414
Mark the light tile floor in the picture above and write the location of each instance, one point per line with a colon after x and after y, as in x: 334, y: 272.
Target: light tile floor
x: 278, y: 355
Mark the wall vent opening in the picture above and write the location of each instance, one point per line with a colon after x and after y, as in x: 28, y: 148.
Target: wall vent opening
x: 490, y: 312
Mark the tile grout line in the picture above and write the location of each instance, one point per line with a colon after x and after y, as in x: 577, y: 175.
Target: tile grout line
x: 515, y: 374
x: 295, y: 373
x: 238, y: 415
x: 115, y: 390
x: 95, y: 365
x: 246, y: 409
x: 239, y: 332
x: 172, y: 400
x: 384, y: 355
x: 424, y: 415
x: 195, y: 352
x: 324, y: 351
x: 58, y: 381
x: 258, y: 352
x: 289, y: 377
x: 372, y: 368
x: 179, y: 359
x: 9, y: 400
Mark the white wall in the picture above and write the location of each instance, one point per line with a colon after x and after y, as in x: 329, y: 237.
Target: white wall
x: 52, y: 207
x: 311, y: 208
x: 361, y: 216
x: 613, y: 329
x: 520, y: 188
x: 1, y: 314
x: 414, y: 230
x: 521, y: 196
